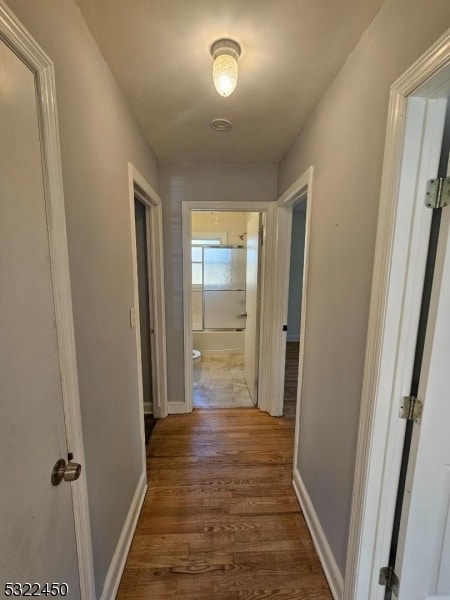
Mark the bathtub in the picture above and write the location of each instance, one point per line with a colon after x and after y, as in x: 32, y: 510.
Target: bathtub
x: 224, y: 342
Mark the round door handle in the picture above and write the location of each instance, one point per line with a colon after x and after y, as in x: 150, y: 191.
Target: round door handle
x: 72, y: 471
x: 244, y: 314
x: 69, y: 472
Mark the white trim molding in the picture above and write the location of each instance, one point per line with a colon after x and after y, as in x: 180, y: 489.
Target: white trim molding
x: 25, y: 47
x: 176, y: 408
x: 302, y: 186
x: 141, y: 189
x: 326, y: 557
x: 119, y: 559
x: 415, y: 122
x: 265, y: 371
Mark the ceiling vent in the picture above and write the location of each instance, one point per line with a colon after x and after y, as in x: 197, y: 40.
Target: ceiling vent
x: 221, y: 125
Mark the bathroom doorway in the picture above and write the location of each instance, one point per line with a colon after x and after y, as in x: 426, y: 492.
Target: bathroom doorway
x: 225, y: 255
x: 220, y: 318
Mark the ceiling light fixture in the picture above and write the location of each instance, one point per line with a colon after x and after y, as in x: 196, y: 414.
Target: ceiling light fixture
x: 225, y: 68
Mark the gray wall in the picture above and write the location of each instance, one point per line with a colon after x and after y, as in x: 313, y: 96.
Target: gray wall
x: 198, y: 182
x: 296, y: 276
x: 344, y: 140
x: 98, y: 137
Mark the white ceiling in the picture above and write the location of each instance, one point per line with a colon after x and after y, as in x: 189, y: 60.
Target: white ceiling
x: 159, y: 52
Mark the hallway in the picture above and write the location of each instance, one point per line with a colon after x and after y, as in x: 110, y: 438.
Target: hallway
x: 221, y: 519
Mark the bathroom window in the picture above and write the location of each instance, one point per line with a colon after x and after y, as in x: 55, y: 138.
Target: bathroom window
x: 206, y: 242
x: 199, y: 240
x: 197, y: 265
x: 218, y: 283
x: 224, y: 283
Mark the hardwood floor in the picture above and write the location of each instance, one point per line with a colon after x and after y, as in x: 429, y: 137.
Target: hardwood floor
x: 220, y: 520
x: 291, y: 379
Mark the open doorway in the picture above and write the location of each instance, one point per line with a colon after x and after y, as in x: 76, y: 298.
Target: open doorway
x: 145, y: 312
x: 294, y: 307
x: 225, y: 253
x: 147, y: 315
x: 262, y: 230
x: 290, y: 282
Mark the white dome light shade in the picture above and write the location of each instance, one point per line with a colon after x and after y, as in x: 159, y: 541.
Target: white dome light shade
x: 225, y: 74
x: 225, y: 68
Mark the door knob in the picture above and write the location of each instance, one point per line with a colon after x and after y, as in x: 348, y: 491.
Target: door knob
x: 69, y: 472
x: 244, y: 314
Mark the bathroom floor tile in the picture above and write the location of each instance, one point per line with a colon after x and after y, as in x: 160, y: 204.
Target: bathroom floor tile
x: 220, y: 386
x: 219, y: 381
x: 237, y: 360
x: 223, y: 401
x: 201, y: 402
x: 237, y: 372
x: 242, y: 395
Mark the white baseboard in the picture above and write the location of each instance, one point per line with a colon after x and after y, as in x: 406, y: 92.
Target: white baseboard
x: 117, y: 565
x: 176, y: 408
x: 332, y: 572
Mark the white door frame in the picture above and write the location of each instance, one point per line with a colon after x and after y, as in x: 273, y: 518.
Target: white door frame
x: 265, y: 370
x: 302, y: 186
x: 415, y: 122
x: 24, y: 46
x: 140, y: 188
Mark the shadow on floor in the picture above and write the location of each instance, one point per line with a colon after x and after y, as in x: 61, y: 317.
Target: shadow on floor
x: 149, y: 424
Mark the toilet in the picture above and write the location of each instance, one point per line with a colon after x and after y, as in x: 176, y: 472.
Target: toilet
x: 196, y: 355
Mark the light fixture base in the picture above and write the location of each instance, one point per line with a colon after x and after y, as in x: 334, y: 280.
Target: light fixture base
x: 226, y: 46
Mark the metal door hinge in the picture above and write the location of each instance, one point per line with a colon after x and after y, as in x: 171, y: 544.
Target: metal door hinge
x: 438, y: 192
x: 261, y: 237
x: 411, y: 409
x: 389, y: 579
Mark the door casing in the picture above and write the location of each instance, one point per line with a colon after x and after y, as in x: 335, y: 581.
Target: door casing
x: 140, y: 188
x: 415, y: 121
x: 265, y: 376
x: 252, y: 304
x: 302, y: 186
x: 25, y: 47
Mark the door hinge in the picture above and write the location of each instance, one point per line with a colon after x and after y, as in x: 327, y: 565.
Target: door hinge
x: 261, y: 237
x: 438, y: 192
x: 411, y: 409
x: 389, y: 579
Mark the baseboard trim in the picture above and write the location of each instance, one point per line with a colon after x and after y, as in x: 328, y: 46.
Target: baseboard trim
x: 177, y: 408
x: 332, y: 572
x: 117, y: 565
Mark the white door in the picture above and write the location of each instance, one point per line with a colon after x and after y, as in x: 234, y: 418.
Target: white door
x: 252, y: 306
x: 423, y: 563
x: 36, y: 518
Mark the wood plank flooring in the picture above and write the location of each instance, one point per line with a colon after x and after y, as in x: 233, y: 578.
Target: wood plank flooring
x: 291, y: 379
x: 220, y: 520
